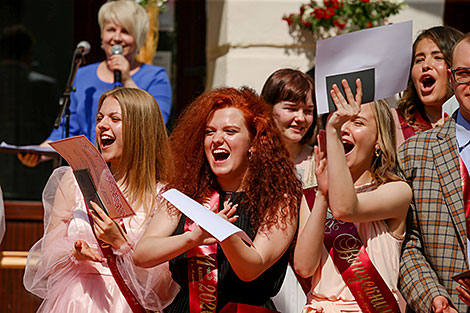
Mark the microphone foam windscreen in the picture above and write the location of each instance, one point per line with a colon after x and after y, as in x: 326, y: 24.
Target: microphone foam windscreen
x: 116, y: 49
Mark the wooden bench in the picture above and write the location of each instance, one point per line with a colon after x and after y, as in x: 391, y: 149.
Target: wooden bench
x: 24, y: 226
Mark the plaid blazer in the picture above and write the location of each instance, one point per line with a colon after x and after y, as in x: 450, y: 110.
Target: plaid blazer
x: 435, y: 244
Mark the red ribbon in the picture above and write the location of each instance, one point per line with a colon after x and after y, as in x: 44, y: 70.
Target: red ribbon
x: 419, y: 125
x: 245, y: 308
x: 465, y: 190
x: 202, y: 270
x: 135, y: 306
x: 352, y: 261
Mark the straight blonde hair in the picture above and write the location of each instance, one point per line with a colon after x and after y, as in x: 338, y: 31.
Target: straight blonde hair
x: 384, y: 165
x: 129, y: 14
x: 144, y: 160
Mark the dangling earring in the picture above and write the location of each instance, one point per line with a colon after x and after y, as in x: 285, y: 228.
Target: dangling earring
x: 377, y: 153
x: 250, y: 154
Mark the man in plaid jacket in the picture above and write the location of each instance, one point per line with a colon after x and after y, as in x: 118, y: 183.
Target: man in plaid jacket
x: 435, y: 247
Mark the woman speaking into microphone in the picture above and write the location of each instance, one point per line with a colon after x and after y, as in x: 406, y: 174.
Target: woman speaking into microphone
x: 125, y: 24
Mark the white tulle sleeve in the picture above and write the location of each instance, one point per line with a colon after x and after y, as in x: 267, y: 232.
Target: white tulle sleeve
x: 50, y: 258
x: 153, y: 287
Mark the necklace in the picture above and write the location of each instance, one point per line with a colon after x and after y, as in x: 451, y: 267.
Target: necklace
x: 365, y: 187
x: 228, y: 194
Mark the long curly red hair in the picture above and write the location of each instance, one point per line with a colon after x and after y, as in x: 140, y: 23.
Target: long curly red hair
x: 272, y: 189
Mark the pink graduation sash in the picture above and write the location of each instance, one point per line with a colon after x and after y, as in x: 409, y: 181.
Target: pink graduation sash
x: 202, y: 270
x: 352, y: 261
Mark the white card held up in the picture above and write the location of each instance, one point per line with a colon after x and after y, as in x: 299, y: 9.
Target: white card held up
x: 379, y: 56
x: 215, y: 225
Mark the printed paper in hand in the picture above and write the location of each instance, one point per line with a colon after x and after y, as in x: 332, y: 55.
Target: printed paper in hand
x: 208, y: 220
x: 80, y: 153
x: 7, y: 148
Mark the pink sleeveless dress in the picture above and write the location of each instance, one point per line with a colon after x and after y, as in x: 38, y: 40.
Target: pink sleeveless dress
x: 330, y: 294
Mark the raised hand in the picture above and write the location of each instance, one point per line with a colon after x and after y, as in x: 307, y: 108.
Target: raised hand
x: 106, y: 229
x: 346, y: 108
x: 82, y: 251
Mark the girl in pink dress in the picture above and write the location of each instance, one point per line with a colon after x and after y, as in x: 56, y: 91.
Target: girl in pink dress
x: 360, y: 198
x: 66, y: 267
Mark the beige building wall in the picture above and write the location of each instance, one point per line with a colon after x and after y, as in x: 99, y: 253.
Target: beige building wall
x: 247, y: 40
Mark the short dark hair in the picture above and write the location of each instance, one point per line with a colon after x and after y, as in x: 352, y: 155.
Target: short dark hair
x: 290, y: 85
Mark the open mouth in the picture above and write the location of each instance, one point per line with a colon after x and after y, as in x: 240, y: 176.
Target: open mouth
x: 427, y: 82
x: 106, y: 141
x: 347, y: 147
x: 296, y: 128
x: 220, y: 155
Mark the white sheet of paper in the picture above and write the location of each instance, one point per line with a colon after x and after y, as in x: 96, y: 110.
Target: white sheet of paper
x: 31, y: 148
x: 215, y: 225
x: 387, y: 49
x: 450, y: 106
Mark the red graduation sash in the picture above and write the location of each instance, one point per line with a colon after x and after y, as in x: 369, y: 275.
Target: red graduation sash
x: 245, y: 308
x: 202, y: 270
x: 419, y: 125
x: 352, y: 261
x: 465, y: 190
x: 135, y: 306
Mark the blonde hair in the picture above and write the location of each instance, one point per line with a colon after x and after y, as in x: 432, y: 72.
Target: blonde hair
x: 144, y: 160
x: 384, y: 165
x: 128, y: 14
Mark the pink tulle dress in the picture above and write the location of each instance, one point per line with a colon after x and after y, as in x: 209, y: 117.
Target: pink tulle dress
x: 68, y: 285
x: 329, y: 293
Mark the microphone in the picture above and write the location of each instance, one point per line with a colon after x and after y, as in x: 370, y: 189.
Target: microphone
x: 83, y: 48
x: 117, y: 49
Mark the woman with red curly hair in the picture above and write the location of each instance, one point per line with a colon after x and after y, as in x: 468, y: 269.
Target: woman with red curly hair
x: 226, y: 142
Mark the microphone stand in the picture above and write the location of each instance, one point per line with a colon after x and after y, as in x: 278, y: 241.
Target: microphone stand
x: 64, y: 101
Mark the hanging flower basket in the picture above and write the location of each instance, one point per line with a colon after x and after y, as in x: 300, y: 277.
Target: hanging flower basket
x: 329, y: 18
